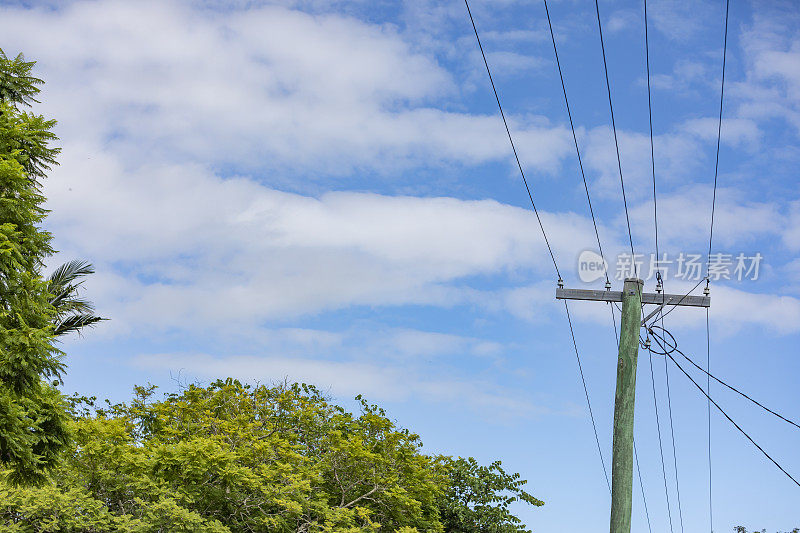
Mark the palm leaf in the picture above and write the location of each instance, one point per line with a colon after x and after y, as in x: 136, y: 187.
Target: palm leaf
x: 75, y: 323
x: 63, y: 276
x: 73, y: 313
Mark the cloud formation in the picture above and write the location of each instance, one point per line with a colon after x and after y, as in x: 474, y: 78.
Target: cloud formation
x: 266, y: 88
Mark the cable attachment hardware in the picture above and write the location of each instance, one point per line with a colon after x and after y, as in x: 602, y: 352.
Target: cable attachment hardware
x: 665, y: 342
x: 608, y: 285
x: 647, y: 343
x: 707, y: 290
x: 659, y: 282
x: 560, y: 283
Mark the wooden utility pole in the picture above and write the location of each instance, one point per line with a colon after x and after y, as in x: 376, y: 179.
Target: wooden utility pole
x: 624, y: 401
x: 632, y: 299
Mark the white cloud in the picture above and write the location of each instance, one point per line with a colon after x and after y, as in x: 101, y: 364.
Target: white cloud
x: 735, y: 131
x: 170, y: 239
x: 685, y: 75
x: 383, y: 363
x: 534, y: 303
x: 151, y: 96
x: 682, y: 21
x: 678, y: 153
x: 405, y: 343
x: 344, y: 377
x: 791, y: 229
x: 685, y: 218
x: 675, y: 153
x: 348, y: 378
x: 734, y: 309
x: 771, y: 46
x: 267, y: 88
x: 515, y: 36
x: 512, y: 63
x: 143, y: 88
x: 624, y: 19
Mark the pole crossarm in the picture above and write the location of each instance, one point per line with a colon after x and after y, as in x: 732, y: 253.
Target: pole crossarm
x: 647, y: 297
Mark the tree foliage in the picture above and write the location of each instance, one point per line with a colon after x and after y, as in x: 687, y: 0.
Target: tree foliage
x: 478, y: 498
x: 32, y: 422
x: 235, y: 458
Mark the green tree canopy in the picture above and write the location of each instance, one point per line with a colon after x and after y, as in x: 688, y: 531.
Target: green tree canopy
x: 478, y: 498
x: 235, y: 458
x: 32, y: 423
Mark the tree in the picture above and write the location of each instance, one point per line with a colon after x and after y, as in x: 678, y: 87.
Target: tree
x: 32, y: 419
x: 235, y: 458
x: 72, y: 313
x: 478, y: 498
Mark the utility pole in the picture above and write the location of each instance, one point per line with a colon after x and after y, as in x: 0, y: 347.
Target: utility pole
x: 624, y: 401
x: 632, y: 299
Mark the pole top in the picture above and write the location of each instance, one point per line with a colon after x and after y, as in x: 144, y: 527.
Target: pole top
x: 634, y: 280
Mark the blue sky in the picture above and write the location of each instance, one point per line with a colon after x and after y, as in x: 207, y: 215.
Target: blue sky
x: 323, y: 191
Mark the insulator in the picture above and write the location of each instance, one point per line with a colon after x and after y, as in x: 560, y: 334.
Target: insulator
x: 560, y: 283
x: 608, y: 285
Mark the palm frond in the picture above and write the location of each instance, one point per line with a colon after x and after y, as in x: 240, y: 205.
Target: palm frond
x: 63, y: 276
x: 74, y: 305
x: 75, y: 323
x: 73, y: 313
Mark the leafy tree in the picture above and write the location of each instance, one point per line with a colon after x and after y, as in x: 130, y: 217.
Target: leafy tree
x: 72, y: 313
x: 32, y: 420
x: 235, y: 458
x: 16, y: 83
x: 478, y: 498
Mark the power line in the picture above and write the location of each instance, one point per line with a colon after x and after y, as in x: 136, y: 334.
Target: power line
x: 724, y: 384
x: 641, y: 485
x: 658, y: 270
x: 510, y: 139
x: 591, y: 212
x: 672, y: 433
x: 575, y: 138
x: 721, y: 410
x: 544, y: 234
x: 650, y: 115
x: 719, y: 128
x: 708, y: 262
x: 586, y: 391
x: 660, y: 447
x: 614, y: 128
